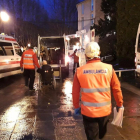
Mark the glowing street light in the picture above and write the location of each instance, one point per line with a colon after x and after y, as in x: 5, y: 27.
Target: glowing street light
x: 4, y: 16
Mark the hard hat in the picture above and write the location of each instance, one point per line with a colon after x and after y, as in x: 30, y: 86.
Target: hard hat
x: 92, y: 50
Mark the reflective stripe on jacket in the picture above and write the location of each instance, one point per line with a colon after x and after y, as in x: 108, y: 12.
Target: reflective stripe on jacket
x: 28, y: 62
x: 94, y: 79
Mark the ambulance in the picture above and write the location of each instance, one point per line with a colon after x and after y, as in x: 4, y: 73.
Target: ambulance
x: 10, y: 55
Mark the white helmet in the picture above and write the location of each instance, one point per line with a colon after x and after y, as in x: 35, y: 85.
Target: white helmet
x: 92, y: 50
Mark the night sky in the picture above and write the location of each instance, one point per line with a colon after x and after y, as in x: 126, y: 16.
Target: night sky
x: 44, y: 3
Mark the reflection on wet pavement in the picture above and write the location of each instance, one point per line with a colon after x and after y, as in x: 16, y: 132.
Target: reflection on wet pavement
x: 67, y: 90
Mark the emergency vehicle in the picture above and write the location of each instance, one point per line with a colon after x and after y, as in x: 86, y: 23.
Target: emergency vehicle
x: 73, y: 42
x: 10, y: 55
x: 137, y: 53
x: 56, y: 54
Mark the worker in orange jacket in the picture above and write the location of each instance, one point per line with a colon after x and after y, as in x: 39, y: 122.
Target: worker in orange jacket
x: 29, y: 62
x: 76, y: 60
x: 95, y: 80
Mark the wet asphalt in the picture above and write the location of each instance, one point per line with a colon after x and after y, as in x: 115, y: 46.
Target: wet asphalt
x: 47, y: 114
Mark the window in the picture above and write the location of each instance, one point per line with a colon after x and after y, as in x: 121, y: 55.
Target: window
x: 92, y: 5
x: 138, y: 44
x: 6, y: 49
x: 82, y: 22
x: 2, y: 53
x: 17, y: 49
x: 92, y: 19
x: 82, y: 8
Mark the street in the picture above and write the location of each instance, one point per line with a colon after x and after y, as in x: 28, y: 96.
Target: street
x: 49, y: 115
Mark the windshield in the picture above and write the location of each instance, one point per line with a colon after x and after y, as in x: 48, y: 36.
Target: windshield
x: 6, y: 49
x: 73, y: 42
x: 18, y: 49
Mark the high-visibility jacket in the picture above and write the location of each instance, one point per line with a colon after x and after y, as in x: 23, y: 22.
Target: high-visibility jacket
x: 29, y: 60
x: 95, y: 81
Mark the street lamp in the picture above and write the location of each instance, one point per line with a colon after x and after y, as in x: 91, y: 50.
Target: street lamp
x: 4, y: 17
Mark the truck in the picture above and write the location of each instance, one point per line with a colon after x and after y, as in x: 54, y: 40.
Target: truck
x: 56, y: 54
x: 137, y: 53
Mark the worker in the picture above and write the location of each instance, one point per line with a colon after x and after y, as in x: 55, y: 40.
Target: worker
x: 95, y: 80
x: 29, y: 62
x: 76, y: 60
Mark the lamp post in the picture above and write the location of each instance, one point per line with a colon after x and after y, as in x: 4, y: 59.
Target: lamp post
x: 4, y: 17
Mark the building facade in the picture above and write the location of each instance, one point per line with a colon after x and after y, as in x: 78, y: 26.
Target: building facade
x: 89, y: 12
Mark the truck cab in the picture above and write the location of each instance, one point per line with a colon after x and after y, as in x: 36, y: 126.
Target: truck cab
x: 137, y: 54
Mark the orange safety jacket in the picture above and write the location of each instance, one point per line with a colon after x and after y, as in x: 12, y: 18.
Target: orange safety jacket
x: 76, y: 58
x: 29, y: 60
x: 95, y: 82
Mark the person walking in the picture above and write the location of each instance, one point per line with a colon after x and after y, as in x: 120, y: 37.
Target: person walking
x: 76, y: 61
x: 95, y: 80
x: 29, y: 62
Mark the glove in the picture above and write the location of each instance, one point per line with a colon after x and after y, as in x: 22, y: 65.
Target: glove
x: 21, y: 69
x: 38, y: 70
x: 117, y: 108
x: 77, y: 111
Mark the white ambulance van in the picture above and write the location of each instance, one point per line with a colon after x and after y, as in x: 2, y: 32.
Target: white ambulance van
x: 10, y: 55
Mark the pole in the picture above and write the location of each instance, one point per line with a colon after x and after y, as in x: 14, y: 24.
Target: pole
x: 60, y: 70
x: 39, y: 59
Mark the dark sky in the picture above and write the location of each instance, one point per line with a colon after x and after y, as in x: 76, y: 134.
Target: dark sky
x: 47, y: 7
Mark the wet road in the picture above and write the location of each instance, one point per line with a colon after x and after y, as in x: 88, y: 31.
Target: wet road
x: 48, y: 115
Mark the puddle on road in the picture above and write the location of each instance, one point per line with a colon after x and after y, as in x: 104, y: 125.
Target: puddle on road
x: 11, y: 114
x: 67, y: 90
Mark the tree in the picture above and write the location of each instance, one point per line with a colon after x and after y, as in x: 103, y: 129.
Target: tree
x: 28, y: 18
x: 63, y: 18
x: 108, y: 24
x: 128, y: 19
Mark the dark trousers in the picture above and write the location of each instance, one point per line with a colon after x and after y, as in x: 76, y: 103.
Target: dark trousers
x: 29, y: 76
x: 95, y: 128
x: 74, y: 66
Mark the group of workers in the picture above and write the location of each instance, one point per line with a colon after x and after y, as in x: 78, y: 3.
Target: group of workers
x: 28, y: 64
x: 92, y: 86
